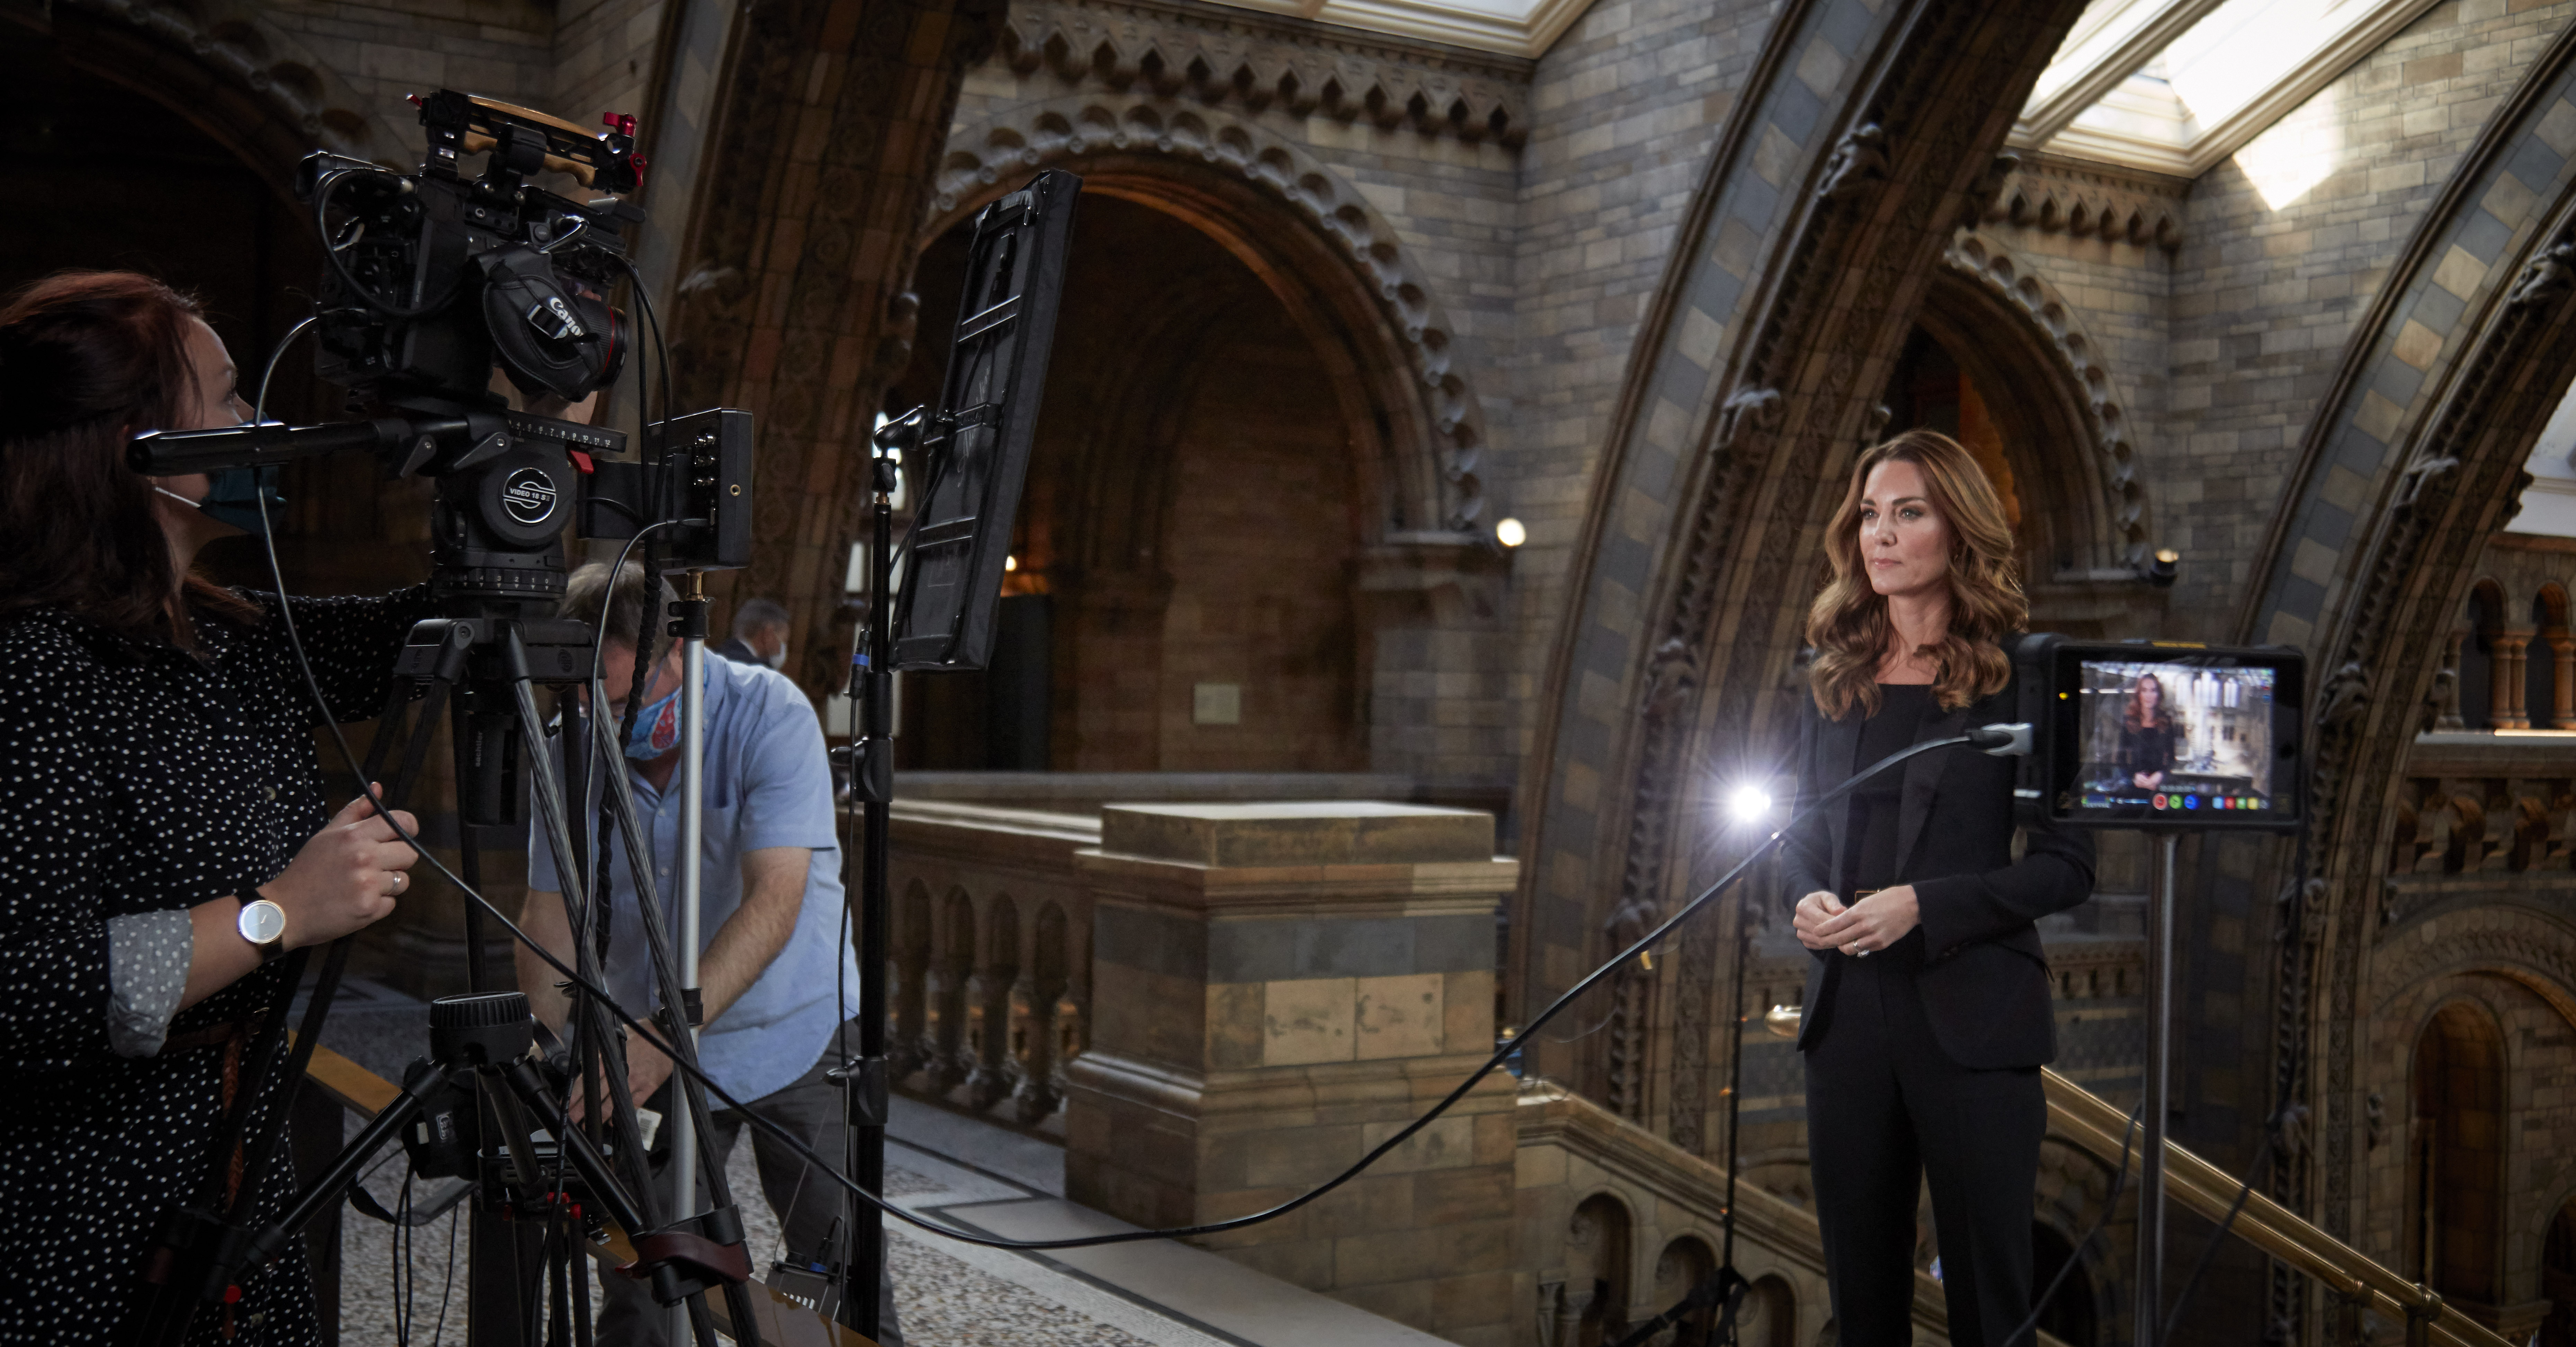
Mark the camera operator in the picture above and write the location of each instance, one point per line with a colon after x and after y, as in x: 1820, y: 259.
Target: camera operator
x: 163, y: 833
x: 771, y: 906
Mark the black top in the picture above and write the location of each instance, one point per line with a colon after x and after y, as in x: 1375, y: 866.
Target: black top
x: 2146, y: 748
x: 138, y: 779
x: 1870, y: 846
x: 1984, y: 980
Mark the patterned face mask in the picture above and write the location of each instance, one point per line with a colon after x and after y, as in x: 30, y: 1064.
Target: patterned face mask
x: 657, y: 729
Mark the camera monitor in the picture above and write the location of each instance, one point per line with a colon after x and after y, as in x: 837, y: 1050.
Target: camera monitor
x: 2131, y: 735
x: 976, y: 438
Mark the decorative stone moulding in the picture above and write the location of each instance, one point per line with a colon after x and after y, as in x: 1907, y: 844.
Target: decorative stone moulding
x: 1261, y: 63
x: 1035, y: 134
x: 230, y: 39
x: 1991, y: 265
x: 2090, y: 201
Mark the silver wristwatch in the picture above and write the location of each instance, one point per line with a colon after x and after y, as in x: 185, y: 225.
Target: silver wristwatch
x: 263, y: 924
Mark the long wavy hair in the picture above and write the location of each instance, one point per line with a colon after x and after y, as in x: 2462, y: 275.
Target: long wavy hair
x: 88, y: 358
x: 1848, y: 624
x: 2133, y: 712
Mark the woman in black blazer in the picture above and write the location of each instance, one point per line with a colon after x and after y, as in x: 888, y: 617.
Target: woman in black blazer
x: 1927, y: 1006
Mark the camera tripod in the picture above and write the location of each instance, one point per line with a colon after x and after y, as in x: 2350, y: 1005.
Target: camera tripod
x: 480, y: 664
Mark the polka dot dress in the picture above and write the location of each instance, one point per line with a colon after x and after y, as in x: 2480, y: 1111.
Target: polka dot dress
x: 138, y: 779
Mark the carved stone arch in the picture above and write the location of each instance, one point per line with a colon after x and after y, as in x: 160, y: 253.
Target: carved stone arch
x: 220, y: 64
x: 1601, y: 1238
x: 2444, y: 386
x: 1342, y: 271
x: 1182, y: 54
x: 2007, y: 319
x: 1865, y: 134
x: 2532, y: 949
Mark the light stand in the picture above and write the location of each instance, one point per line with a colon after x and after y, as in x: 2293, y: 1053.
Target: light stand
x: 863, y: 1103
x: 689, y: 623
x: 2150, y: 1322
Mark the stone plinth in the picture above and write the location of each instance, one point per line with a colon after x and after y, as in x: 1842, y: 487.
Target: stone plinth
x: 1276, y: 989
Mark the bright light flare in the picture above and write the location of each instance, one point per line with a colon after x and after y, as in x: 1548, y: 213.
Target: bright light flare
x: 1749, y: 804
x: 1511, y: 533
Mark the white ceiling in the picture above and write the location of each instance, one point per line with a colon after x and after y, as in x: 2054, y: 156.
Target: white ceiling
x: 1511, y: 27
x: 2175, y: 86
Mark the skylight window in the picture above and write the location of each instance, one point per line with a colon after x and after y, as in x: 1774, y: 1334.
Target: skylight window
x: 2175, y: 86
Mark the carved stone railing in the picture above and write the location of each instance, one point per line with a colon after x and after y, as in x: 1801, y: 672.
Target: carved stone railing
x: 990, y: 990
x: 1616, y: 1215
x: 2485, y: 804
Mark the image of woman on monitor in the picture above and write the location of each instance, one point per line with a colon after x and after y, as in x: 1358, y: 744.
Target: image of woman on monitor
x: 2149, y: 734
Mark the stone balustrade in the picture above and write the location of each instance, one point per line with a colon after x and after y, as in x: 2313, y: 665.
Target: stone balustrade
x: 2483, y: 804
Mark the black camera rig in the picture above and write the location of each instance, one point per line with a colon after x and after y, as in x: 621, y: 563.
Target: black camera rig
x: 433, y: 282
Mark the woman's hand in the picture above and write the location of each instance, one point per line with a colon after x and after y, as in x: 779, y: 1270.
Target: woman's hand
x: 346, y: 877
x: 1865, y: 927
x: 1814, y: 912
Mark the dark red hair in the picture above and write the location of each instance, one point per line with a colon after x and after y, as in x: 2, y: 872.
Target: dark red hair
x: 88, y: 358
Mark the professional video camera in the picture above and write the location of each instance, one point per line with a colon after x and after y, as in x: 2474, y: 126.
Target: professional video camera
x: 435, y: 279
x: 433, y: 282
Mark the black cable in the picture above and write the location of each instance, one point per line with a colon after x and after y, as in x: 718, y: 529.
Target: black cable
x: 2209, y: 1251
x: 2119, y: 1179
x: 2284, y: 1085
x: 638, y: 1027
x: 661, y: 351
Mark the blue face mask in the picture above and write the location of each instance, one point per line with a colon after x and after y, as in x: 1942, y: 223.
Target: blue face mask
x: 236, y: 494
x: 233, y: 497
x: 657, y: 729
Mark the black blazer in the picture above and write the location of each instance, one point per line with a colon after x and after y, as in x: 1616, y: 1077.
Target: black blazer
x: 1984, y: 983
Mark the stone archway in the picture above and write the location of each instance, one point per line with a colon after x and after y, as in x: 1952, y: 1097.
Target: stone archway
x: 2098, y: 515
x: 219, y: 65
x: 1866, y: 133
x: 1424, y: 589
x: 1339, y: 266
x: 2414, y: 457
x: 2456, y: 1163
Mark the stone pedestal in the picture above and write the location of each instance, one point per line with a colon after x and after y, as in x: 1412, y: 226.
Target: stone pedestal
x: 1276, y: 989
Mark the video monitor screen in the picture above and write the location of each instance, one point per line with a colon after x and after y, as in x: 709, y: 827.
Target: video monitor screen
x: 2160, y: 737
x: 2164, y: 737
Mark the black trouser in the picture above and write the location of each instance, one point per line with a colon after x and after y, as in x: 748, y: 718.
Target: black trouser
x: 806, y: 1204
x: 1887, y: 1108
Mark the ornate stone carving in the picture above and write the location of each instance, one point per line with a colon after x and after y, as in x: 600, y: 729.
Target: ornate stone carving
x: 1988, y: 262
x: 1987, y: 189
x: 1258, y: 62
x: 2547, y: 278
x: 1030, y: 135
x: 1859, y: 164
x: 290, y: 84
x: 2088, y: 200
x: 2401, y: 598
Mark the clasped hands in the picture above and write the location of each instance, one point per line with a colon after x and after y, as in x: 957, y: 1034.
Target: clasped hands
x: 1825, y: 922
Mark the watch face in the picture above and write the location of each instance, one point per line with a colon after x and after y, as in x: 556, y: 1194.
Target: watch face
x: 263, y: 922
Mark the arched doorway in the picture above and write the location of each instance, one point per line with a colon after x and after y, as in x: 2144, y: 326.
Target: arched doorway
x: 1183, y: 597
x: 2480, y: 707
x: 1931, y: 390
x: 2455, y: 1157
x: 129, y: 183
x: 2549, y: 683
x: 2558, y: 1278
x: 1593, y: 1307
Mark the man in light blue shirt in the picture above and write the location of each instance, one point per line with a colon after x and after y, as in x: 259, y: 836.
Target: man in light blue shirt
x: 777, y: 976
